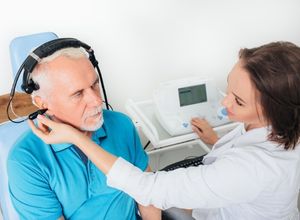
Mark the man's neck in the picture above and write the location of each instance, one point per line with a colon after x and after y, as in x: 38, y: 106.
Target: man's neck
x: 87, y: 133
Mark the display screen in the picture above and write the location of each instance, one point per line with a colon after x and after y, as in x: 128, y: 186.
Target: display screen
x: 192, y: 95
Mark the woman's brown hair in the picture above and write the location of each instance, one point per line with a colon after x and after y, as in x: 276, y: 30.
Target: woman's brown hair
x: 274, y: 70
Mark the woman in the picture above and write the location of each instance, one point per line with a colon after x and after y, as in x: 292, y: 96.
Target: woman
x: 251, y: 173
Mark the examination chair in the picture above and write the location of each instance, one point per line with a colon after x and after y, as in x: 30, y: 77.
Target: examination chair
x: 9, y: 132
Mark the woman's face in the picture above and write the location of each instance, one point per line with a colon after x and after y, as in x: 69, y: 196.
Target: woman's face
x: 240, y: 101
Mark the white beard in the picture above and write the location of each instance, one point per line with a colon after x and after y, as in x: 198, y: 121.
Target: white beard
x: 96, y: 125
x: 93, y: 127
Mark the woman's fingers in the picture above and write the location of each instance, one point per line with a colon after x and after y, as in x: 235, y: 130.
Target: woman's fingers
x: 204, y: 130
x: 38, y: 132
x: 52, y: 132
x: 197, y: 130
x: 46, y: 121
x: 42, y: 127
x: 199, y: 123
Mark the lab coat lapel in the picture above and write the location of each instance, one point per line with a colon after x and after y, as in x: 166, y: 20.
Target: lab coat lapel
x: 223, y: 144
x: 256, y: 137
x: 238, y: 131
x: 240, y: 138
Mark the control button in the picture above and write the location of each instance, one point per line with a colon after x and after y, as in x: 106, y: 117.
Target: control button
x: 224, y: 112
x: 185, y: 125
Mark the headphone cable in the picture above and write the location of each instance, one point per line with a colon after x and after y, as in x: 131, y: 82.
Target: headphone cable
x: 12, y: 110
x: 7, y: 111
x: 11, y: 96
x: 103, y: 88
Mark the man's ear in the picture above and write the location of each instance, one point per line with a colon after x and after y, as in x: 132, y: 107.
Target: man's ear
x: 38, y: 102
x: 41, y: 104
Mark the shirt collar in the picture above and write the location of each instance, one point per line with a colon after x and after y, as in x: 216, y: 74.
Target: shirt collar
x: 60, y: 146
x: 98, y: 134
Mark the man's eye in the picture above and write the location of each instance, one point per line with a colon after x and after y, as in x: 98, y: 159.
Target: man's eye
x: 95, y: 86
x: 78, y: 94
x: 238, y: 102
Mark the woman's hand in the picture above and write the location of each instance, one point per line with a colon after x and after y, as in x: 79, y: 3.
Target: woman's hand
x: 204, y: 131
x: 54, y: 132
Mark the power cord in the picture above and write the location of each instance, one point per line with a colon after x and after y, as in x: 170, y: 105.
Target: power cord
x: 146, y: 145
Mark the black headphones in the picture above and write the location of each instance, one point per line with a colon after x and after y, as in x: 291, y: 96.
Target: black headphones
x: 41, y: 52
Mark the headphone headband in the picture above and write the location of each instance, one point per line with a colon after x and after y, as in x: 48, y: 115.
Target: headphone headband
x: 46, y: 50
x: 52, y: 46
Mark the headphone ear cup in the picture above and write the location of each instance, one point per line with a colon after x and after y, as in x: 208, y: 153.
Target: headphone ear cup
x: 30, y: 87
x: 25, y: 84
x: 35, y: 86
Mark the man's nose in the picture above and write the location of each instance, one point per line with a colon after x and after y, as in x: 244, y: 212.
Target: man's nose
x: 93, y: 97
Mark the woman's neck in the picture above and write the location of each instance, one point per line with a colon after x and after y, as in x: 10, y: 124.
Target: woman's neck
x: 251, y: 126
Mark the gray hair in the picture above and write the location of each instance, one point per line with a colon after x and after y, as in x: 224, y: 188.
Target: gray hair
x: 40, y: 72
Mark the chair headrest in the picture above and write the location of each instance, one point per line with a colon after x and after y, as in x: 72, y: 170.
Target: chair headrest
x: 20, y: 48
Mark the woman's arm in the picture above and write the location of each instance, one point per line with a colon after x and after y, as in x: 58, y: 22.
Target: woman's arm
x: 226, y: 181
x: 142, y: 186
x: 123, y: 175
x: 149, y: 212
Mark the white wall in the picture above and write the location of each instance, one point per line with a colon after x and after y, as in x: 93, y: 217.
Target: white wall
x: 141, y: 43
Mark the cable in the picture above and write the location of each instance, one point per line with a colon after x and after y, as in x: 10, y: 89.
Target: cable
x: 13, y: 88
x: 109, y: 106
x: 12, y: 94
x: 146, y: 145
x: 103, y: 88
x: 12, y: 110
x: 7, y: 111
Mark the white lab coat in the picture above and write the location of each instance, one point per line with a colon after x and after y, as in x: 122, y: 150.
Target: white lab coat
x: 245, y: 177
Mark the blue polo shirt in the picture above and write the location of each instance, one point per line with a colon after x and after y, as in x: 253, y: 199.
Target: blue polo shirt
x: 47, y: 181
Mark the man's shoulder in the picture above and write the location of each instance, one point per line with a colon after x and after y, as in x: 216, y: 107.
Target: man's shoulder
x: 118, y: 123
x: 27, y: 144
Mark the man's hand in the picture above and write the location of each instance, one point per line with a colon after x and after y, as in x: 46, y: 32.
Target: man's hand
x: 204, y: 131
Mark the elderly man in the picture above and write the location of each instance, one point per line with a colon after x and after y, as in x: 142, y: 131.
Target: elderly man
x: 57, y: 181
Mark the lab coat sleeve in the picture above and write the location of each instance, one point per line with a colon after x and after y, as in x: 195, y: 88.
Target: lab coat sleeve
x: 225, y: 182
